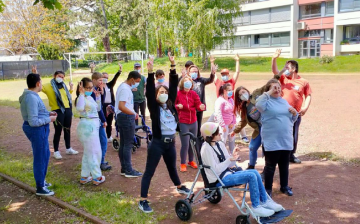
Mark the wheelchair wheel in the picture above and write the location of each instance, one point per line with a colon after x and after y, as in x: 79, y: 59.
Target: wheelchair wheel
x: 242, y: 219
x: 138, y: 139
x: 183, y: 210
x: 216, y: 197
x: 115, y: 144
x: 134, y: 148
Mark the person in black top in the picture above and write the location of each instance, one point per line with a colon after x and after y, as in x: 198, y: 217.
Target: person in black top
x: 109, y: 99
x: 164, y: 118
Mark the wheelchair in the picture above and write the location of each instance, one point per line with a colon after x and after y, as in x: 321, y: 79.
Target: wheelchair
x: 137, y: 138
x: 214, y: 192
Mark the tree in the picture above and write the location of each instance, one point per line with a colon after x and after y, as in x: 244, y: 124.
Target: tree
x: 49, y: 4
x: 25, y: 25
x: 49, y: 51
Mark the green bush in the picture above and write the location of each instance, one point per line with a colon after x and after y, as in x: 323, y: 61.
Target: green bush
x: 49, y: 51
x: 325, y: 59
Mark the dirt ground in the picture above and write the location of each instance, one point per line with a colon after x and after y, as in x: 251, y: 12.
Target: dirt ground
x: 324, y: 191
x: 20, y: 206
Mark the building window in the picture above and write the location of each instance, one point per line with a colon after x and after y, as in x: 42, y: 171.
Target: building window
x: 261, y: 40
x: 251, y: 1
x: 241, y: 41
x: 280, y: 39
x: 244, y: 19
x: 349, y: 5
x: 310, y: 33
x: 260, y: 16
x: 329, y: 9
x: 280, y: 14
x: 352, y: 34
x: 310, y: 11
x: 329, y: 35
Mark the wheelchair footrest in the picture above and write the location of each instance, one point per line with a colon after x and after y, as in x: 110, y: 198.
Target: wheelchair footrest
x: 277, y: 217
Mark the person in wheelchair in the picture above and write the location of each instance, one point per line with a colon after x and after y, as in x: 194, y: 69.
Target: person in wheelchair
x: 165, y: 120
x: 214, y: 154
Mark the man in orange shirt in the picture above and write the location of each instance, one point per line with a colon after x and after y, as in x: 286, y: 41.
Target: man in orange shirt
x: 294, y: 89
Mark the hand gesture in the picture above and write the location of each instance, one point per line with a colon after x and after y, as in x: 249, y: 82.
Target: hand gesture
x: 292, y: 111
x: 224, y: 129
x: 232, y: 134
x: 202, y: 107
x: 302, y: 111
x: 81, y: 88
x: 277, y: 53
x: 136, y: 116
x: 53, y: 113
x: 104, y: 125
x: 150, y: 64
x: 237, y: 57
x: 183, y: 72
x: 34, y: 69
x: 171, y: 58
x: 212, y: 59
x: 180, y: 106
x: 134, y: 89
x: 97, y: 93
x: 231, y: 126
x: 214, y: 68
x: 71, y: 85
x: 120, y: 67
x: 272, y: 89
x: 53, y: 118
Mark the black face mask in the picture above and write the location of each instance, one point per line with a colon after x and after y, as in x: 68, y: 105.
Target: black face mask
x: 59, y: 85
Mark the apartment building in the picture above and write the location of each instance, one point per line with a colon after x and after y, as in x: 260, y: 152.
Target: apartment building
x: 302, y: 28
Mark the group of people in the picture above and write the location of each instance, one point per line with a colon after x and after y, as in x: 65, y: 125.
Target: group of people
x: 274, y: 112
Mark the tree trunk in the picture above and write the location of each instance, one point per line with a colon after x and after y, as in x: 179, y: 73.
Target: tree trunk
x: 123, y: 48
x: 159, y: 51
x: 106, y: 43
x: 106, y: 40
x: 204, y: 58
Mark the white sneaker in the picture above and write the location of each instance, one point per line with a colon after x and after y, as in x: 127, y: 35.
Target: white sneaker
x: 262, y: 212
x: 110, y: 139
x: 272, y: 205
x: 71, y: 151
x: 57, y: 155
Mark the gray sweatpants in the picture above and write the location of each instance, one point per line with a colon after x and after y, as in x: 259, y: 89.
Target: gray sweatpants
x: 185, y: 141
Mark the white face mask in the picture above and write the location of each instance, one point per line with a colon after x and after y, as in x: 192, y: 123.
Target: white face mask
x: 59, y: 80
x: 163, y: 98
x: 105, y: 80
x: 139, y: 71
x: 244, y: 96
x: 287, y: 72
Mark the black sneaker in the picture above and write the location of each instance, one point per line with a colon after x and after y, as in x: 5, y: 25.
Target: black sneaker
x: 145, y: 207
x: 46, y: 184
x: 122, y: 172
x: 287, y: 190
x: 44, y: 191
x: 105, y: 167
x: 183, y: 190
x: 133, y: 173
x: 250, y: 167
x: 293, y: 159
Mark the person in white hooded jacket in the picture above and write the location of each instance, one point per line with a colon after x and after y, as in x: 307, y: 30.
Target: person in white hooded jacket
x: 215, y: 155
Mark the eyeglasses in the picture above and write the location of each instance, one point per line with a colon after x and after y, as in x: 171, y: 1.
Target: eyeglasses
x: 88, y: 88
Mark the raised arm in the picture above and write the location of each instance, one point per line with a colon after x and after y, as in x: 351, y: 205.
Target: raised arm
x: 173, y: 80
x: 211, y: 79
x: 150, y: 87
x: 274, y: 67
x: 111, y: 84
x: 262, y: 101
x: 213, y: 67
x: 237, y: 72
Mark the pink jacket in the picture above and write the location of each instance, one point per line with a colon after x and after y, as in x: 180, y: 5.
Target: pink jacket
x: 224, y: 111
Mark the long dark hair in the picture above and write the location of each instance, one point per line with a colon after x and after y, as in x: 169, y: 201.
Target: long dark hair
x: 168, y: 102
x: 223, y: 88
x: 85, y: 82
x: 240, y: 105
x: 209, y: 139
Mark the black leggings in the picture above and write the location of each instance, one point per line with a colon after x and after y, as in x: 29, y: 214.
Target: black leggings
x: 199, y: 117
x: 142, y: 107
x: 282, y: 159
x: 158, y: 148
x: 109, y: 120
x: 63, y: 121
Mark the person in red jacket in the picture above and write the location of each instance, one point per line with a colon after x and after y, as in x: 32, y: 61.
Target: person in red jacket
x: 186, y: 103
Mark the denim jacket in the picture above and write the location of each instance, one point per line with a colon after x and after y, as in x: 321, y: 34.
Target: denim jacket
x: 33, y: 109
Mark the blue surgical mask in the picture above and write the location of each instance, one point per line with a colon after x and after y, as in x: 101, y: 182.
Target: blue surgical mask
x: 194, y: 75
x: 230, y: 93
x: 225, y: 78
x: 135, y: 85
x: 287, y: 72
x: 139, y: 71
x: 88, y: 93
x: 187, y: 84
x: 161, y: 80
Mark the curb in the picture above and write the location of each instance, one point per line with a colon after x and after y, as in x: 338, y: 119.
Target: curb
x: 55, y: 200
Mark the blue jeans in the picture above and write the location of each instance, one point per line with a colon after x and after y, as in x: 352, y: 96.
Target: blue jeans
x: 253, y: 147
x: 256, y: 187
x: 126, y: 124
x: 103, y: 142
x: 38, y: 137
x: 296, y: 135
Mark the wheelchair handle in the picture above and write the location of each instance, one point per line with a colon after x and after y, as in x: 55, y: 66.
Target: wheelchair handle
x: 192, y: 136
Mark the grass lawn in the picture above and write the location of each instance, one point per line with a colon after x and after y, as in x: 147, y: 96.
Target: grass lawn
x: 113, y: 207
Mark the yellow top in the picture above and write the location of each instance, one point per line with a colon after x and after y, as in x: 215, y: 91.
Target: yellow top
x: 48, y: 90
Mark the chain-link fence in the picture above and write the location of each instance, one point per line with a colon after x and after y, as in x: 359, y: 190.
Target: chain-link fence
x: 20, y: 69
